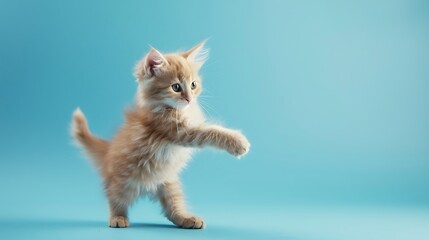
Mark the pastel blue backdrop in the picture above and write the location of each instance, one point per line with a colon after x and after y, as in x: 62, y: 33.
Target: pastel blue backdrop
x: 333, y: 96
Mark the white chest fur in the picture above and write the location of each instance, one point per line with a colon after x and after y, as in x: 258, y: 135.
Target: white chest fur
x: 168, y: 159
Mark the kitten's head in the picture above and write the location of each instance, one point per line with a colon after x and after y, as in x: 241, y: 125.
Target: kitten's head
x: 170, y: 80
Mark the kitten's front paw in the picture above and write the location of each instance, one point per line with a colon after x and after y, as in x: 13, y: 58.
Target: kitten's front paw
x: 188, y: 221
x: 118, y: 222
x: 238, y: 145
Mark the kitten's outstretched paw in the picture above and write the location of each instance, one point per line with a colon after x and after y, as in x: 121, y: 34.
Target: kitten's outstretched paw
x: 118, y: 222
x: 239, y: 145
x: 190, y: 222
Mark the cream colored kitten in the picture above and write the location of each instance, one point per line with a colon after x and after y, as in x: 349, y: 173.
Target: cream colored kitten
x: 157, y: 138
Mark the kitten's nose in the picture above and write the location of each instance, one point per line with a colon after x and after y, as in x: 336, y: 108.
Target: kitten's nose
x: 187, y: 97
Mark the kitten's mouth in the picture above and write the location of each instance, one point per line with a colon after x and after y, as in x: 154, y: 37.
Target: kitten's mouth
x: 182, y: 104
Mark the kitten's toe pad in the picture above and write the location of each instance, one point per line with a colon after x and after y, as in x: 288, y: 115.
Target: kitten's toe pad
x: 190, y: 222
x: 118, y: 222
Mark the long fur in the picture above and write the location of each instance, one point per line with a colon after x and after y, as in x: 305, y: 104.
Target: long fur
x: 96, y: 147
x: 157, y: 139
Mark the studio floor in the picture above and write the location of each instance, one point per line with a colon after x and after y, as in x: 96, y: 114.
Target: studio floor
x: 227, y: 222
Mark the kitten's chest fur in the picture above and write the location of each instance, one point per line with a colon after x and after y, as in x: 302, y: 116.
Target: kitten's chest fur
x: 141, y: 153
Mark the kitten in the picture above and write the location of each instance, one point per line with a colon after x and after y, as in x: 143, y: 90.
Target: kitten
x: 157, y: 138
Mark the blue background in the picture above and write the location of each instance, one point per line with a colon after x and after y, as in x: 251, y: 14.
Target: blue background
x: 333, y: 96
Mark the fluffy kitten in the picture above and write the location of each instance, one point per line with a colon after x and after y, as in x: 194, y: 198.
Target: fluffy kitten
x: 157, y: 138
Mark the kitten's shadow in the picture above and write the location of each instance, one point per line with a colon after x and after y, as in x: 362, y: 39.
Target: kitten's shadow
x: 152, y: 225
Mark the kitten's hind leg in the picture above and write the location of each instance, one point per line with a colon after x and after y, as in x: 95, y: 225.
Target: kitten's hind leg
x: 172, y: 200
x: 120, y: 197
x: 118, y: 215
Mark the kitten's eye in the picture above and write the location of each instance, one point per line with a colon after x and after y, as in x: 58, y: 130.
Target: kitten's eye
x: 176, y: 87
x: 193, y: 85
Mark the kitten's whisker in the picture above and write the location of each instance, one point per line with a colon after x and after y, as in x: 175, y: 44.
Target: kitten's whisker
x: 177, y: 125
x: 207, y: 105
x: 184, y: 129
x: 206, y: 110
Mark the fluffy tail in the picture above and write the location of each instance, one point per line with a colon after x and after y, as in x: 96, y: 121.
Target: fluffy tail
x: 94, y: 146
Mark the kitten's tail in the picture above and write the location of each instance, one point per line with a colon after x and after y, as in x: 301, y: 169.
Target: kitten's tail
x: 94, y: 146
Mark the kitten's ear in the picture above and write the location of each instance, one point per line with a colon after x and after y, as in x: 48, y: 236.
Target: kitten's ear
x: 197, y: 54
x: 151, y: 65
